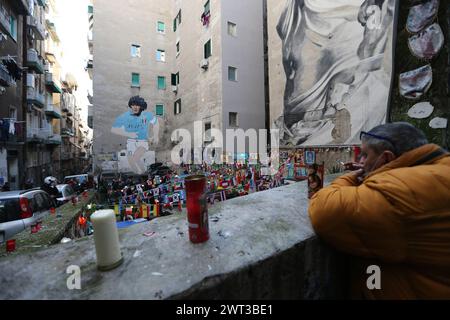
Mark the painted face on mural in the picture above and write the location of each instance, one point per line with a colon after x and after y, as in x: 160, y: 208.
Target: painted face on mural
x: 329, y: 48
x: 137, y: 110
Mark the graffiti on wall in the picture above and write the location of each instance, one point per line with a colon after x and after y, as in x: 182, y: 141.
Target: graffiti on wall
x: 337, y: 58
x: 141, y: 127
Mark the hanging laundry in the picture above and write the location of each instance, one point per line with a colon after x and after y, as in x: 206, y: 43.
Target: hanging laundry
x: 421, y: 16
x: 12, y: 129
x: 427, y: 44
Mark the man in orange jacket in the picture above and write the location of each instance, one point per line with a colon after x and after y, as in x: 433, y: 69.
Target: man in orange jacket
x: 392, y: 215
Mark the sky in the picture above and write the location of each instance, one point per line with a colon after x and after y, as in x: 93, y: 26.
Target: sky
x: 72, y: 25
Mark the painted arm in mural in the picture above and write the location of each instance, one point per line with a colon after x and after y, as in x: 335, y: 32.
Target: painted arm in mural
x: 375, y: 16
x: 121, y: 132
x: 153, y: 132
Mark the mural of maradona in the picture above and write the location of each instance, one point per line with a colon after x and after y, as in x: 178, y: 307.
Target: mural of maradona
x: 338, y: 65
x: 141, y: 128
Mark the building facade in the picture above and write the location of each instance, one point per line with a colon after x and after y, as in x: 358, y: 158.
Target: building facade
x: 35, y: 132
x: 13, y: 19
x: 190, y: 60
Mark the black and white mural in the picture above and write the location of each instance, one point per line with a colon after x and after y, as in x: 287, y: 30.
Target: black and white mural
x: 337, y: 58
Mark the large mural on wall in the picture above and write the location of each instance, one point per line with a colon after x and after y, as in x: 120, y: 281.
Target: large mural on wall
x: 337, y: 57
x: 141, y: 128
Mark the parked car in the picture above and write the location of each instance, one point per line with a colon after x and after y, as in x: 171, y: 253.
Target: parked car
x: 66, y: 193
x: 22, y: 209
x: 80, y: 182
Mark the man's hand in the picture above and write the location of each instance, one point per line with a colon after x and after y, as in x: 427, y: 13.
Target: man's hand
x: 353, y: 166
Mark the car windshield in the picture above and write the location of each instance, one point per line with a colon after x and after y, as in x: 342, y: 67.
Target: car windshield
x: 9, y: 210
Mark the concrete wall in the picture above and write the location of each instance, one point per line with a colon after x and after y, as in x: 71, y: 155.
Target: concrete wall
x: 246, y: 53
x: 117, y: 26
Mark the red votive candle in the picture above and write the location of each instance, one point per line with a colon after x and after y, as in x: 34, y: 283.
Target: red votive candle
x: 197, y: 208
x: 10, y: 245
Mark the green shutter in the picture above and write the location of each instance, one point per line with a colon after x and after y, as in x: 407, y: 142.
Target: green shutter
x: 174, y: 24
x: 207, y: 49
x: 161, y: 83
x: 135, y: 79
x: 159, y: 110
x: 161, y: 26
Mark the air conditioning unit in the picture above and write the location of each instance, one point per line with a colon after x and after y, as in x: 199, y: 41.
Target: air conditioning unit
x: 30, y: 80
x: 204, y: 64
x: 175, y: 88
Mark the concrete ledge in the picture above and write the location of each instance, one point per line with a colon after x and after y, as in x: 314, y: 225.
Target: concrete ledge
x: 262, y: 247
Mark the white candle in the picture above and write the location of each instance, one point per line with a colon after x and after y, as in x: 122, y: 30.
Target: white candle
x: 106, y: 239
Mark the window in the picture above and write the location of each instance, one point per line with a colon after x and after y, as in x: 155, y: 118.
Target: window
x: 232, y: 29
x: 177, y: 21
x: 13, y: 27
x: 232, y: 73
x: 207, y: 8
x: 177, y: 107
x: 208, y: 131
x: 135, y: 51
x: 160, y: 55
x: 159, y: 110
x: 178, y: 47
x: 161, y: 27
x: 175, y: 79
x: 207, y: 49
x: 233, y: 119
x: 135, y: 80
x: 161, y: 83
x: 13, y: 113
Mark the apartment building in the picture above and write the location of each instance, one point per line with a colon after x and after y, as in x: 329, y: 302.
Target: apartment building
x: 32, y: 122
x: 191, y: 61
x: 13, y: 19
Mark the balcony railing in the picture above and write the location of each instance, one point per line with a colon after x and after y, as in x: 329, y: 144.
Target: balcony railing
x: 35, y: 98
x: 5, y: 19
x: 55, y: 139
x: 37, y: 27
x: 5, y: 78
x: 12, y: 138
x: 67, y: 132
x: 53, y: 111
x: 34, y: 62
x: 38, y: 135
x: 52, y: 84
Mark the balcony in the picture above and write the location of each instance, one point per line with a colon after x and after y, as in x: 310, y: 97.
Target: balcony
x: 52, y: 29
x: 35, y: 98
x: 37, y: 27
x: 54, y: 140
x: 5, y: 78
x: 34, y: 62
x: 38, y: 135
x: 52, y: 85
x: 67, y: 133
x: 5, y: 20
x: 52, y: 111
x: 21, y: 6
x: 18, y: 137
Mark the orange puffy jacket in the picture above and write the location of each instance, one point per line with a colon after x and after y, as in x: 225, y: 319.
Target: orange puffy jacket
x: 398, y: 218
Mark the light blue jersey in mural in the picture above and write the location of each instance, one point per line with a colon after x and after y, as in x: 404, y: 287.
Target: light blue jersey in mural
x: 132, y: 123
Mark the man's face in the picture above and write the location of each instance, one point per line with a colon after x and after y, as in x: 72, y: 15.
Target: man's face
x: 136, y: 109
x: 369, y: 159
